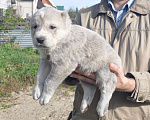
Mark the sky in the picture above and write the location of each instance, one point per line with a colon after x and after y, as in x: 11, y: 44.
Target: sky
x: 66, y: 3
x: 75, y: 3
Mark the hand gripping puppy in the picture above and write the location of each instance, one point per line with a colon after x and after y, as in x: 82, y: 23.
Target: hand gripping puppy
x: 62, y: 47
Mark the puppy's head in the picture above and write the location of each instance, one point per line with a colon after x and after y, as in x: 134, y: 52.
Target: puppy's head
x: 49, y: 27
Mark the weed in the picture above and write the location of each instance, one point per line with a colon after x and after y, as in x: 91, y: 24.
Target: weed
x: 6, y: 106
x: 18, y: 68
x: 52, y: 114
x: 71, y: 88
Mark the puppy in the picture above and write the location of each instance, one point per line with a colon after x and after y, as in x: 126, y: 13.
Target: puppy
x: 62, y: 47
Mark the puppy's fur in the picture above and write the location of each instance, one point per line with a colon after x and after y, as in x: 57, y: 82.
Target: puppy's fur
x: 62, y: 47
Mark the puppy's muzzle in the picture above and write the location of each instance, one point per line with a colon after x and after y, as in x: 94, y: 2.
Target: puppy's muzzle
x: 40, y: 40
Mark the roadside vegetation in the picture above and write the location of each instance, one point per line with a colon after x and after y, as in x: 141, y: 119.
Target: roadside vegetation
x: 18, y: 68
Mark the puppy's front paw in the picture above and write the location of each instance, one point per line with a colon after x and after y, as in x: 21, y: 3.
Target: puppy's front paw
x: 37, y: 92
x: 44, y: 99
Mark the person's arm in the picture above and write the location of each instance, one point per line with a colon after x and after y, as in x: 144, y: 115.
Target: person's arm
x: 137, y: 87
x: 141, y: 92
x: 123, y: 84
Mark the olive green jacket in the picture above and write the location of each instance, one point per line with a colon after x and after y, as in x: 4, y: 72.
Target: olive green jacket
x: 132, y: 42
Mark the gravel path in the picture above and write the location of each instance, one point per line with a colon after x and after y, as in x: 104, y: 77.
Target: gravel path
x: 25, y: 108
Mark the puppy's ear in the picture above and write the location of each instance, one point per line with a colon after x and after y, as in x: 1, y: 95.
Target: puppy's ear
x: 64, y: 15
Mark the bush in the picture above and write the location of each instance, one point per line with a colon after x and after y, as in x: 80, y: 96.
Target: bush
x: 10, y: 21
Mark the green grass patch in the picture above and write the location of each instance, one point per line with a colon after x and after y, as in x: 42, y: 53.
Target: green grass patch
x: 18, y: 68
x: 71, y: 88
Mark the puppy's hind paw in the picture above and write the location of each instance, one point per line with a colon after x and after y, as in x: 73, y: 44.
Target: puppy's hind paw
x: 102, y: 110
x: 83, y: 110
x: 84, y: 107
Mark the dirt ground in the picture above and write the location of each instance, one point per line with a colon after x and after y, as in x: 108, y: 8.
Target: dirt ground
x: 25, y: 108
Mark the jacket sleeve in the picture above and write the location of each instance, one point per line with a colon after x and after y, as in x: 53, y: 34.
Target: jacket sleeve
x: 142, y: 90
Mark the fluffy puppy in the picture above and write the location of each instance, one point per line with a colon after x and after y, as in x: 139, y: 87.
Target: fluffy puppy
x: 62, y: 47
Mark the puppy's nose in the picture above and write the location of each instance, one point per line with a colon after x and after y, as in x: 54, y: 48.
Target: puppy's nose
x: 40, y: 39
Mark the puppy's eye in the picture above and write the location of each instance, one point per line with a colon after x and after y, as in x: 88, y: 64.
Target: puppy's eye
x: 35, y: 26
x: 52, y: 27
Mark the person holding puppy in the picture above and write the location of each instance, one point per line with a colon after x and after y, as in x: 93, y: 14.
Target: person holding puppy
x: 125, y: 24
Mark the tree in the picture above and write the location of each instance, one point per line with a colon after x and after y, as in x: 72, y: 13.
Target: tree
x: 72, y: 12
x: 82, y: 9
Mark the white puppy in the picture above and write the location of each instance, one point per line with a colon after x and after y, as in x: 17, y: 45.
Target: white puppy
x: 62, y: 47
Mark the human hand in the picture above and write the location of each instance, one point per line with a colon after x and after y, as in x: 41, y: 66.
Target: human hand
x: 123, y: 84
x: 87, y: 77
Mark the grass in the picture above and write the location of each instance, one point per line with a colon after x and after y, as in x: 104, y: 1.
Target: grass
x: 71, y: 88
x: 18, y: 68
